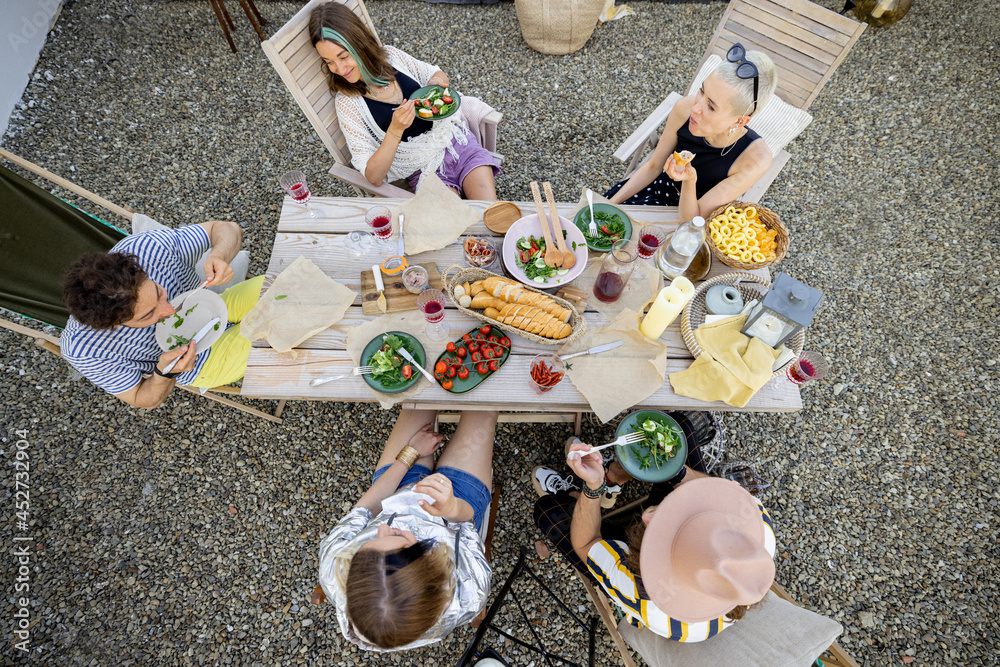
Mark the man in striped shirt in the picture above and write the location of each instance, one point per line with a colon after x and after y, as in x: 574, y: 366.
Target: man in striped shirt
x: 691, y: 566
x: 116, y: 299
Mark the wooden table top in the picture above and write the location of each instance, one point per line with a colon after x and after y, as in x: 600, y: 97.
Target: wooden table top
x: 273, y: 375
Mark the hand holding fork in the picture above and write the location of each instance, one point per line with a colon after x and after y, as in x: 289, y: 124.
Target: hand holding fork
x: 627, y: 439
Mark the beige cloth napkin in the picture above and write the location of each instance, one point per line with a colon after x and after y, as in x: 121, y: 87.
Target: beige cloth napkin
x: 645, y: 283
x: 301, y: 302
x: 411, y: 322
x: 435, y: 217
x: 616, y: 380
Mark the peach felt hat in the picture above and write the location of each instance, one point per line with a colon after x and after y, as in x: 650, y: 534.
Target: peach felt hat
x: 703, y: 552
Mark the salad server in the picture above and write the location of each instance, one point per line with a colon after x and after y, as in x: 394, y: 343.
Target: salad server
x: 595, y: 350
x: 413, y: 362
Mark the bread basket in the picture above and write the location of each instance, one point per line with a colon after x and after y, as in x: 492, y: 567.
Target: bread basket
x: 768, y: 218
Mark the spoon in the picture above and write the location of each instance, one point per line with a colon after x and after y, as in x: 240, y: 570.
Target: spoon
x: 553, y: 256
x: 568, y: 258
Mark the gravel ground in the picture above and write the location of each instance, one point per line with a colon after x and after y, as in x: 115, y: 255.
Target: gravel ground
x: 188, y: 535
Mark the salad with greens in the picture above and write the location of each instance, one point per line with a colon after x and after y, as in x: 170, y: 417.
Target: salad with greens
x: 530, y: 258
x: 610, y: 228
x: 388, y: 367
x: 662, y: 441
x: 438, y: 103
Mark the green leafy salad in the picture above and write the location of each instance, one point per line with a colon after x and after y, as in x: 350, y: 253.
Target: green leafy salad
x: 663, y: 442
x: 387, y: 365
x: 530, y: 258
x: 610, y: 228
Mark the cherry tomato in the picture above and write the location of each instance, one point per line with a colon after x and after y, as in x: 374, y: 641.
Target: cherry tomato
x: 446, y: 99
x: 477, y: 357
x: 497, y: 351
x: 493, y: 365
x: 473, y: 346
x: 440, y: 367
x: 463, y: 372
x: 467, y: 337
x: 407, y: 371
x: 487, y: 352
x: 451, y: 372
x: 461, y: 352
x: 525, y: 256
x: 482, y: 368
x: 494, y: 338
x: 436, y: 110
x: 481, y: 337
x: 447, y: 385
x: 450, y: 346
x: 485, y: 329
x: 505, y: 342
x: 439, y: 376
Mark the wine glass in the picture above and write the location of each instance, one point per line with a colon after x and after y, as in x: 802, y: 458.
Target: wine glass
x: 294, y: 183
x: 379, y: 218
x: 809, y: 366
x: 431, y: 304
x: 651, y: 237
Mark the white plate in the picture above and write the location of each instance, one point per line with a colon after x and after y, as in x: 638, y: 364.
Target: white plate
x: 199, y: 308
x: 528, y: 226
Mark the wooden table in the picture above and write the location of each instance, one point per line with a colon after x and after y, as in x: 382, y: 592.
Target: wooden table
x: 273, y: 375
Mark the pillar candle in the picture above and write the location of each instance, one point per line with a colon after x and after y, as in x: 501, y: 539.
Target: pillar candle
x: 685, y: 286
x: 666, y: 307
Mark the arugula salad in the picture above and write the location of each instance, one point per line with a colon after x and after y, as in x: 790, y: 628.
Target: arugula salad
x: 438, y: 103
x: 663, y: 442
x: 610, y: 228
x: 530, y: 258
x: 388, y: 367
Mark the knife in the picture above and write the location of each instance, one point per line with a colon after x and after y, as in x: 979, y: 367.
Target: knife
x: 594, y: 350
x: 400, y: 235
x: 379, y: 285
x: 409, y: 357
x: 197, y: 339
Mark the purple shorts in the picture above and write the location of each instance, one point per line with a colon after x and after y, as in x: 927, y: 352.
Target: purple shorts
x: 453, y: 172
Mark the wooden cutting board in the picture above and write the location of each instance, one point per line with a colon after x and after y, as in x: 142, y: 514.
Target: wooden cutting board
x: 397, y: 299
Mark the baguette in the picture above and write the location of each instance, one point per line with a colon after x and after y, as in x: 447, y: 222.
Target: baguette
x: 492, y: 313
x: 508, y: 302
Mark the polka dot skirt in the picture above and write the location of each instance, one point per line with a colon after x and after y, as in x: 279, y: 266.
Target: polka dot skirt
x: 661, y: 192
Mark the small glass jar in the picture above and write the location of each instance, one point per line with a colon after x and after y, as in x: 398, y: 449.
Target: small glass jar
x: 415, y: 279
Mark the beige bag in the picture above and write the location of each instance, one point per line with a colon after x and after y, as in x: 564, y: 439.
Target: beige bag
x: 557, y: 27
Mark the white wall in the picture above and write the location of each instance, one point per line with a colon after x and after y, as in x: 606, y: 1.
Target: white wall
x: 24, y: 25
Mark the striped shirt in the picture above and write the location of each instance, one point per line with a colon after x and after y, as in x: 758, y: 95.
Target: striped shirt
x: 116, y: 359
x: 606, y: 560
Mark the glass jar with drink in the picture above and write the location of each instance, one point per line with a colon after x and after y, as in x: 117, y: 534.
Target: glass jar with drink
x: 615, y: 271
x: 379, y: 218
x: 675, y: 257
x: 651, y: 237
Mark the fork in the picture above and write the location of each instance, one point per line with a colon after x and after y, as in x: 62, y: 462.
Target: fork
x: 590, y: 203
x: 360, y: 370
x: 627, y: 439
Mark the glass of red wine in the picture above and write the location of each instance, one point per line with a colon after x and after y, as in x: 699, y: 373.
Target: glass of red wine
x: 431, y: 304
x: 809, y: 366
x: 379, y: 218
x: 294, y: 183
x: 615, y: 271
x: 651, y: 237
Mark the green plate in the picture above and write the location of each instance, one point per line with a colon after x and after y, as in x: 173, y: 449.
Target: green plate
x: 426, y: 91
x: 582, y: 221
x: 629, y: 460
x: 475, y: 379
x: 411, y: 344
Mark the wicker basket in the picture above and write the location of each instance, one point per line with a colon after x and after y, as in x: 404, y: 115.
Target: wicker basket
x: 466, y: 274
x: 693, y: 315
x: 769, y: 219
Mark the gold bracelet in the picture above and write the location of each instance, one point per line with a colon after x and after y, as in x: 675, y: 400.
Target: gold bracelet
x: 408, y: 456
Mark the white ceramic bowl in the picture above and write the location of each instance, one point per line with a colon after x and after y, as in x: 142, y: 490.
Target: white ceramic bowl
x: 528, y: 226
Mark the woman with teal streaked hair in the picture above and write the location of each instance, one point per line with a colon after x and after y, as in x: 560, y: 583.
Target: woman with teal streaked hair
x: 372, y: 84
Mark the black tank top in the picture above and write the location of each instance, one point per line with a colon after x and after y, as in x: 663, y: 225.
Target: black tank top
x: 382, y: 111
x: 711, y: 165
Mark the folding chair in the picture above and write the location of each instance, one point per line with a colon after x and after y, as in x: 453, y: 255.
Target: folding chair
x: 292, y: 54
x: 36, y: 260
x: 806, y: 42
x: 776, y: 633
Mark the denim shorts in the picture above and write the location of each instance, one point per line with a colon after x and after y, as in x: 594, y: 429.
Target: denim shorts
x: 465, y: 487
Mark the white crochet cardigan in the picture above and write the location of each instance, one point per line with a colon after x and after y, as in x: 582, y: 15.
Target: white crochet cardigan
x: 424, y: 152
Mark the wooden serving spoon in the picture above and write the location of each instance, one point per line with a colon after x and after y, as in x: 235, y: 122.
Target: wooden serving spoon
x: 553, y: 256
x: 569, y: 259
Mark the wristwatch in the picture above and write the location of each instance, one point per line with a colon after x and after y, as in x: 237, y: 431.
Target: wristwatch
x: 169, y: 376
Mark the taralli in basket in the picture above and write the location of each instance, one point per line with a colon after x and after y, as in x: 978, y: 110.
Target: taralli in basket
x: 739, y: 234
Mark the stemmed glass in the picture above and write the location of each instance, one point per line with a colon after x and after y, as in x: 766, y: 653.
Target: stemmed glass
x: 294, y: 183
x: 431, y: 304
x: 809, y: 366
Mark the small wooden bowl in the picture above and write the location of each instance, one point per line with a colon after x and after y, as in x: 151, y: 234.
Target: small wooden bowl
x: 500, y: 215
x: 768, y: 218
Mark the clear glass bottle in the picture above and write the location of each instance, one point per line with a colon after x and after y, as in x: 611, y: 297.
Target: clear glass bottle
x: 675, y: 257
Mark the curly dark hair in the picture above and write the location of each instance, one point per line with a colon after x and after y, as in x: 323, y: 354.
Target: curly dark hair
x: 101, y: 289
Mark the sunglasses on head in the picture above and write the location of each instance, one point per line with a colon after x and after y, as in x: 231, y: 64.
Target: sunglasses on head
x: 396, y: 561
x: 745, y: 69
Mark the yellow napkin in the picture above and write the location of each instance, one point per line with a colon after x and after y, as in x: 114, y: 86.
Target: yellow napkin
x: 731, y: 368
x: 433, y: 218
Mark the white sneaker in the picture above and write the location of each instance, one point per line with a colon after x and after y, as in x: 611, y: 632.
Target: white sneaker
x: 547, y: 481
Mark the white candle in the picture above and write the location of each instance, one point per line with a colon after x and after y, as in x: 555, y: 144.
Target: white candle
x: 666, y: 307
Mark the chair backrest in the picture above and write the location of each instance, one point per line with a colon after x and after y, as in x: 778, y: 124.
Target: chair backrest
x: 292, y: 54
x: 806, y: 42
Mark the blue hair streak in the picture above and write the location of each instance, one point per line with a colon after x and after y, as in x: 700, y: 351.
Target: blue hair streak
x: 370, y: 81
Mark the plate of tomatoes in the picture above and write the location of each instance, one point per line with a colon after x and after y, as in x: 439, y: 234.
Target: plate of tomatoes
x: 435, y: 102
x: 468, y: 361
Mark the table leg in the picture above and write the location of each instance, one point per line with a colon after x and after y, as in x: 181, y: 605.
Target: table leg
x: 253, y: 21
x: 260, y: 19
x: 222, y: 23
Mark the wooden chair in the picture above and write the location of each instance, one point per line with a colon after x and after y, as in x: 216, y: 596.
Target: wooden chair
x: 659, y: 651
x: 292, y: 54
x: 226, y: 21
x: 51, y: 343
x: 806, y: 42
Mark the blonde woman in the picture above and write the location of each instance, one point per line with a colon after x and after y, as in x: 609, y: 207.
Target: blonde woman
x: 406, y: 565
